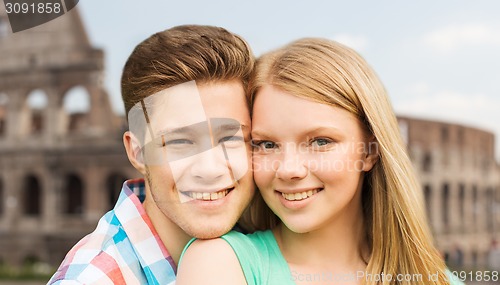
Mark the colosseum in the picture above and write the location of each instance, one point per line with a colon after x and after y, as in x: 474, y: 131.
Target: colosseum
x: 61, y: 169
x: 461, y: 184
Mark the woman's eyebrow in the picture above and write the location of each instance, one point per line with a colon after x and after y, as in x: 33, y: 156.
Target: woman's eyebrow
x: 260, y: 133
x: 330, y: 129
x: 308, y: 132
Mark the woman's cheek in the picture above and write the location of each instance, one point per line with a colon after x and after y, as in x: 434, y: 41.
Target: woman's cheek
x: 263, y: 170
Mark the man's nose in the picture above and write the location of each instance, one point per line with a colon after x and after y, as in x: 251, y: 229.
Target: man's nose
x: 210, y: 165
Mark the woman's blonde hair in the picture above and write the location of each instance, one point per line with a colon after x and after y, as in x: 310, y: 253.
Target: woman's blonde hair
x: 397, y: 232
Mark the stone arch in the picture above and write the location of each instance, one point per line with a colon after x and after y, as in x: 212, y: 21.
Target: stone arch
x: 4, y: 100
x: 475, y: 206
x: 475, y: 258
x: 32, y: 196
x: 76, y: 107
x: 445, y: 200
x: 2, y: 197
x: 461, y: 205
x: 73, y: 193
x: 428, y: 201
x: 33, y: 120
x: 446, y: 256
x: 489, y: 209
x: 497, y: 194
x: 427, y: 162
x: 29, y: 261
x: 114, y: 183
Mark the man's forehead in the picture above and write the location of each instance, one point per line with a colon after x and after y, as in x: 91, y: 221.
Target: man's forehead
x: 176, y: 103
x: 183, y: 97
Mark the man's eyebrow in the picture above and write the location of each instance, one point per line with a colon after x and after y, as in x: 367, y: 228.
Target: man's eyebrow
x: 189, y: 129
x: 230, y: 127
x: 171, y: 131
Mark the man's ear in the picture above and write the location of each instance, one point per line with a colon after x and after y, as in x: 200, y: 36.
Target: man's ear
x: 134, y: 151
x: 371, y: 154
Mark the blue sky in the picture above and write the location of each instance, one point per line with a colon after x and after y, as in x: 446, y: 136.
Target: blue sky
x: 437, y: 59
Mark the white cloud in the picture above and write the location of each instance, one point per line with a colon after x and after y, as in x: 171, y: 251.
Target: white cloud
x: 419, y: 88
x: 476, y: 110
x: 451, y: 105
x: 358, y: 43
x: 454, y: 37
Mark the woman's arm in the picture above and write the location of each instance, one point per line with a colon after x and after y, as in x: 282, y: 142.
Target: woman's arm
x: 210, y: 262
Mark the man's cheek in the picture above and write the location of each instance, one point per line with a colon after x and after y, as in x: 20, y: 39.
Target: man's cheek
x: 239, y: 162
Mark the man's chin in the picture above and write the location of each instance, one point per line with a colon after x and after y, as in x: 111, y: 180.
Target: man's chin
x: 207, y: 232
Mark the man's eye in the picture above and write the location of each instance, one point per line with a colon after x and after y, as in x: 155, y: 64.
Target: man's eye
x: 266, y: 145
x: 231, y: 139
x: 177, y: 142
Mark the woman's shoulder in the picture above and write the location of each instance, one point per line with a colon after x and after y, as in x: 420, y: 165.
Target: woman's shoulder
x: 239, y: 256
x: 214, y: 261
x: 254, y: 246
x: 239, y: 243
x: 253, y: 258
x: 256, y: 239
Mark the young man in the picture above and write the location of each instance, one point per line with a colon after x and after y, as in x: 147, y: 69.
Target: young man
x: 184, y: 91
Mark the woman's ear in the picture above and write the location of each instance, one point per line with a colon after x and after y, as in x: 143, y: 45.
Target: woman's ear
x: 371, y: 154
x: 134, y: 151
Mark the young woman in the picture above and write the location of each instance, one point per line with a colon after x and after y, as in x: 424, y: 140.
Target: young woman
x: 331, y: 166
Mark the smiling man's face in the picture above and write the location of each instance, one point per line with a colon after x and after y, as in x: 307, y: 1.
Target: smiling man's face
x: 196, y: 153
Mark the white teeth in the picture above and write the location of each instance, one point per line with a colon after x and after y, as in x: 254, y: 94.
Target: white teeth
x: 208, y: 196
x: 299, y: 196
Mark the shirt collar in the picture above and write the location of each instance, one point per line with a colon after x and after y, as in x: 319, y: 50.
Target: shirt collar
x: 149, y: 248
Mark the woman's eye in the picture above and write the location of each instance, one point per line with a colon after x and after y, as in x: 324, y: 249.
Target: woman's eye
x: 321, y: 142
x: 264, y: 144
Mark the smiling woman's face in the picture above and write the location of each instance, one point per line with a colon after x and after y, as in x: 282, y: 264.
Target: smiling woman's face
x: 308, y: 160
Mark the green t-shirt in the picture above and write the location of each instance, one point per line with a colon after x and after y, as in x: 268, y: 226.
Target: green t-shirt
x: 263, y: 264
x: 260, y: 258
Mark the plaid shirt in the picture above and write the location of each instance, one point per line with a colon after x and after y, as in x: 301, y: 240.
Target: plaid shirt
x: 124, y: 248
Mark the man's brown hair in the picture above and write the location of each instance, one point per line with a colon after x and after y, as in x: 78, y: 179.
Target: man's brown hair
x: 182, y: 54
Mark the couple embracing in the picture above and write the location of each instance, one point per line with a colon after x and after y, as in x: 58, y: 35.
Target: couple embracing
x: 299, y: 148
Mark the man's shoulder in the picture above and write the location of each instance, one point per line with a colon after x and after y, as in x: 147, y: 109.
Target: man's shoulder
x: 123, y: 249
x: 100, y: 257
